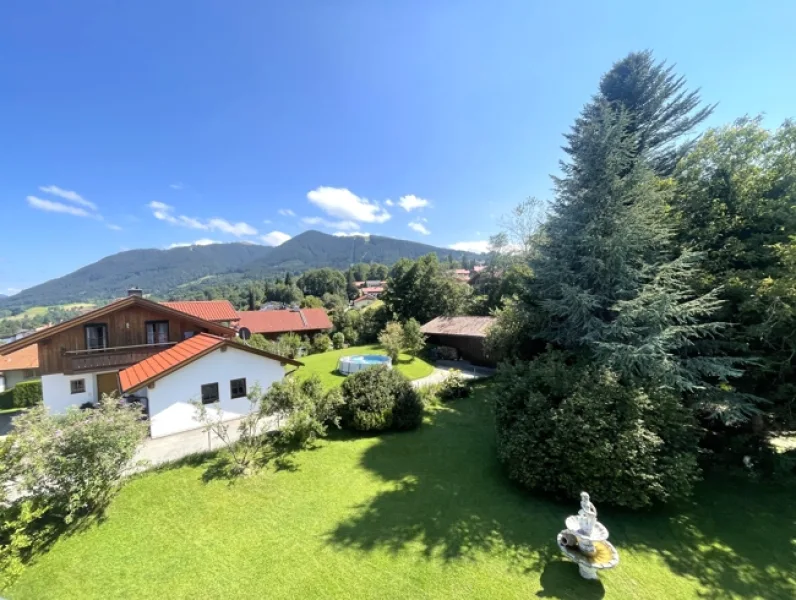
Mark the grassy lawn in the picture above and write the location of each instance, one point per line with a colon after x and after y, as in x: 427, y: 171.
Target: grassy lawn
x: 426, y: 514
x: 325, y: 365
x: 36, y: 311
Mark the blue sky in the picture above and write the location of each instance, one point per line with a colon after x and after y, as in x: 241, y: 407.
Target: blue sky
x: 147, y: 124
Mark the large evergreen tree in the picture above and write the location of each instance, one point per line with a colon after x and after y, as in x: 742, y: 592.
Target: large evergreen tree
x: 610, y: 297
x: 659, y: 108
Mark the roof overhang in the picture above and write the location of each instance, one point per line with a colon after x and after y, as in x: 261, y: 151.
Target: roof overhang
x: 106, y: 310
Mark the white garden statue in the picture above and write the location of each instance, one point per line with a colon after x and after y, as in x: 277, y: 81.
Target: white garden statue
x: 585, y: 541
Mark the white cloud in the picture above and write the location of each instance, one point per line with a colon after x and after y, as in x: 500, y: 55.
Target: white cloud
x: 113, y: 227
x: 177, y: 186
x: 67, y: 195
x: 351, y: 234
x: 275, y: 238
x: 267, y: 221
x: 389, y: 202
x: 59, y: 207
x: 344, y: 204
x: 165, y: 212
x: 411, y: 202
x: 236, y: 229
x: 11, y: 291
x: 419, y: 227
x: 477, y: 246
x: 342, y: 225
x: 202, y: 242
x: 286, y: 212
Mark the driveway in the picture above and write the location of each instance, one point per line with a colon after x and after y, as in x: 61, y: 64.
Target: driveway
x: 173, y: 447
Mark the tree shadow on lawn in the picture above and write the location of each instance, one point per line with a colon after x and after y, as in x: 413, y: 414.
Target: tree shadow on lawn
x: 451, y: 500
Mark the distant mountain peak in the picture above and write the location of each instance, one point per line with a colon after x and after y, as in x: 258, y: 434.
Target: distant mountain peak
x: 161, y: 272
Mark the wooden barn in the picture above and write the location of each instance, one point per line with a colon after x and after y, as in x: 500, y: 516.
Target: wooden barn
x: 466, y: 334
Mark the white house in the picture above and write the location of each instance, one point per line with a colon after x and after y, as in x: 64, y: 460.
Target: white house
x: 205, y: 368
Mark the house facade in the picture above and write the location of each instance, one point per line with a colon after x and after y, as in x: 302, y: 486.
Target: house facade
x: 84, y: 358
x: 206, y: 368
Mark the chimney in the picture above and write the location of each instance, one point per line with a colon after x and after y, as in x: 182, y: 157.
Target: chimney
x: 135, y: 292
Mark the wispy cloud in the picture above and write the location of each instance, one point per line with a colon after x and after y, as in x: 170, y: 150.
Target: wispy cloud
x: 113, y: 227
x: 412, y: 202
x: 202, y: 242
x: 12, y: 290
x: 419, y: 227
x: 286, y: 212
x: 275, y: 238
x: 342, y: 225
x: 351, y: 234
x: 344, y: 204
x: 165, y: 212
x: 69, y: 195
x: 475, y: 246
x: 60, y: 207
x: 177, y: 186
x: 389, y: 202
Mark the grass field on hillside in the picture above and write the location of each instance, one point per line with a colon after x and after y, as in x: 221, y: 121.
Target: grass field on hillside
x: 325, y: 364
x: 36, y: 311
x: 422, y: 514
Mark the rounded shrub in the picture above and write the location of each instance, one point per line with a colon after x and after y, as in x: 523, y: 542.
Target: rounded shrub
x: 378, y: 399
x: 564, y: 427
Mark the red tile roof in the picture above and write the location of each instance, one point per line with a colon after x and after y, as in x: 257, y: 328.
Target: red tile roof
x: 372, y: 290
x: 179, y: 355
x: 167, y: 360
x: 281, y: 321
x: 209, y: 310
x: 27, y: 358
x: 364, y: 297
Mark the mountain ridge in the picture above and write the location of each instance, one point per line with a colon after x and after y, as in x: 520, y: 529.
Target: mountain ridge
x: 159, y: 272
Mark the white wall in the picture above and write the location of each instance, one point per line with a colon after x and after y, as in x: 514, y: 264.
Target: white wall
x: 57, y: 394
x: 170, y: 410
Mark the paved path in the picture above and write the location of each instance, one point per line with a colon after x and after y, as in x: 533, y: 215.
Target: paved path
x: 443, y: 370
x: 173, y: 447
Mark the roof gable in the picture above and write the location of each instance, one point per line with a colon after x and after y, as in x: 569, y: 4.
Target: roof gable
x: 172, y: 359
x: 461, y: 326
x: 107, y: 309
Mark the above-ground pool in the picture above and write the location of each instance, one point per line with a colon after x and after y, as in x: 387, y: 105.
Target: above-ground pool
x: 358, y: 362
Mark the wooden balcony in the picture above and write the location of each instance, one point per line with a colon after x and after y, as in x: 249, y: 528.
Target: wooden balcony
x: 106, y: 359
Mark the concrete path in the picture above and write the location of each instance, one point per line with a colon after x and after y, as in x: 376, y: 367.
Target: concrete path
x: 442, y: 371
x: 173, y: 447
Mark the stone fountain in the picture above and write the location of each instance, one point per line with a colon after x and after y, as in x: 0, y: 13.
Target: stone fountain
x: 585, y: 541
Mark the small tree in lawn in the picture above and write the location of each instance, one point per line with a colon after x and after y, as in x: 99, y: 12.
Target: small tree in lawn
x: 289, y: 344
x: 246, y: 450
x: 392, y: 339
x: 338, y: 340
x: 321, y: 343
x: 413, y: 339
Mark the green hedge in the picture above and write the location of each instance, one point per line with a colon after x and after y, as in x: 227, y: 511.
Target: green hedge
x: 23, y: 395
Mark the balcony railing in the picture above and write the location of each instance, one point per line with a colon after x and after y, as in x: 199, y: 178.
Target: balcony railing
x: 118, y: 357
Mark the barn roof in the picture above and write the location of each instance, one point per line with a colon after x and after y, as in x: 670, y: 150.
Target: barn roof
x: 461, y: 326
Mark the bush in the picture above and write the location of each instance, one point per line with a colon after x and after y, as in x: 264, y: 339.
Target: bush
x: 25, y: 394
x: 563, y: 427
x: 73, y: 462
x: 378, y: 399
x: 321, y: 343
x: 308, y: 409
x: 338, y: 340
x: 454, y: 387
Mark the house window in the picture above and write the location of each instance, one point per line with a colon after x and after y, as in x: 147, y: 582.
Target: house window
x: 187, y: 334
x: 77, y: 386
x: 157, y: 332
x: 96, y: 337
x: 237, y: 388
x: 209, y: 393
